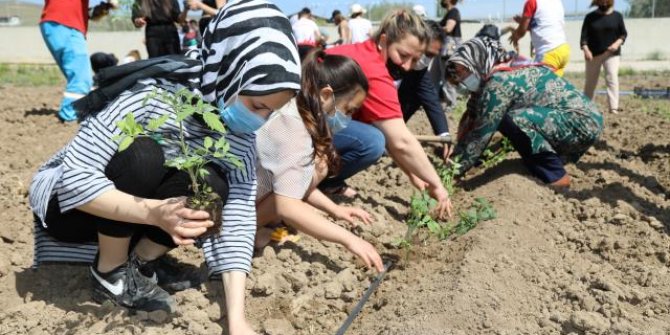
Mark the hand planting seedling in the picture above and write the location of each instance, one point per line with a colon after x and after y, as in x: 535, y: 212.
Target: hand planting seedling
x: 193, y: 161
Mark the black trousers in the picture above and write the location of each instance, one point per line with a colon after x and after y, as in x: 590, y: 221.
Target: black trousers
x: 140, y: 171
x: 162, y: 40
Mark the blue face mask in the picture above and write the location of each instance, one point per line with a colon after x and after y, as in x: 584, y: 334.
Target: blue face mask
x: 470, y: 84
x: 238, y: 118
x: 338, y: 121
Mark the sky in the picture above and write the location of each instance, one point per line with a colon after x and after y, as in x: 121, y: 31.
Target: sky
x: 470, y: 9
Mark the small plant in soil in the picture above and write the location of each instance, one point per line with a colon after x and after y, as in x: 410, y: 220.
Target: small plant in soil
x: 479, y: 212
x: 448, y: 175
x: 187, y: 159
x: 491, y: 158
x: 419, y: 216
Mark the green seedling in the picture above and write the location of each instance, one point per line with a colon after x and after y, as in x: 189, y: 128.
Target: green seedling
x: 479, y: 212
x: 421, y: 205
x: 191, y: 160
x: 493, y: 158
x: 448, y: 175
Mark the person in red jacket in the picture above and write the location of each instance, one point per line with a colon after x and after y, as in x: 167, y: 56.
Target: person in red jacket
x: 63, y: 26
x: 385, y: 59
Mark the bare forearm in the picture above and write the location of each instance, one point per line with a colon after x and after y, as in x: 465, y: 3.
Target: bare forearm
x: 320, y: 201
x: 234, y: 288
x: 122, y: 207
x: 303, y: 217
x: 409, y: 155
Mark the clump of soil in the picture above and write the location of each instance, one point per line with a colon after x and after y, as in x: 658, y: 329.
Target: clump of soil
x: 593, y: 260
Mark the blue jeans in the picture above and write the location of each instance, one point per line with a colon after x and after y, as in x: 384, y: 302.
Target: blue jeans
x: 359, y: 146
x: 418, y: 90
x: 68, y: 48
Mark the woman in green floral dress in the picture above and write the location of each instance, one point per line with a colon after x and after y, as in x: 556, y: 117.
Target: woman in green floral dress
x: 548, y: 121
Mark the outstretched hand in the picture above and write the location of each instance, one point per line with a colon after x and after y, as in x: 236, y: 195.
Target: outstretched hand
x: 181, y: 223
x: 352, y: 215
x: 444, y: 207
x: 366, y: 253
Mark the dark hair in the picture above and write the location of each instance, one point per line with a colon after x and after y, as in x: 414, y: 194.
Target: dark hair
x: 436, y: 30
x: 320, y: 70
x: 443, y: 3
x: 101, y: 60
x: 608, y: 3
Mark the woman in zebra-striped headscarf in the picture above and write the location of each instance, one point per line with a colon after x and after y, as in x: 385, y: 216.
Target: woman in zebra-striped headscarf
x: 91, y: 199
x: 548, y: 121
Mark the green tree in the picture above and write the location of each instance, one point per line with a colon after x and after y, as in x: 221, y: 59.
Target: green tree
x: 643, y: 8
x: 378, y: 11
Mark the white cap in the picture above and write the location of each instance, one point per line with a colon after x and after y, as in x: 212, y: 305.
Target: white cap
x: 419, y: 10
x: 357, y: 8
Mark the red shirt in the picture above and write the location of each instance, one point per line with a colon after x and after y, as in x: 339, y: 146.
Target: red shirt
x: 382, y: 100
x: 70, y: 13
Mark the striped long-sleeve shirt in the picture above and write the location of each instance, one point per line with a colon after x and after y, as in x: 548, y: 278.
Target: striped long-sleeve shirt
x: 75, y: 175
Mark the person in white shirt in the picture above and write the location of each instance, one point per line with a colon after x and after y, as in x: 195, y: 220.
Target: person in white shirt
x: 306, y: 32
x: 361, y: 28
x: 544, y: 19
x: 295, y: 153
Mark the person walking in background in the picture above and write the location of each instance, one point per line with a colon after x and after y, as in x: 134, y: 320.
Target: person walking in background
x: 451, y: 24
x: 343, y: 29
x: 544, y: 19
x: 361, y: 28
x: 208, y: 8
x: 306, y: 32
x: 603, y: 33
x: 160, y: 18
x: 63, y: 26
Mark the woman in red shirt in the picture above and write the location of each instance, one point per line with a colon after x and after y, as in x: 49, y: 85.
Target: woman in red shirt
x: 385, y: 58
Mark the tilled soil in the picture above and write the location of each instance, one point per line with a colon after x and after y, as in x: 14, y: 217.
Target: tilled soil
x: 592, y: 260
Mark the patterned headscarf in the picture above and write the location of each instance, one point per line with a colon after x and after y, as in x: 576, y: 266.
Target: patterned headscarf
x: 479, y: 55
x: 248, y: 48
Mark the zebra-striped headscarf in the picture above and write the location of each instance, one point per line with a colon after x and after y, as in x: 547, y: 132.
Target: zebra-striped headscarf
x: 248, y: 48
x: 479, y: 55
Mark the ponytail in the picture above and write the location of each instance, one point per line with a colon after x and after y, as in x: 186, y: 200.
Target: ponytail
x: 320, y: 70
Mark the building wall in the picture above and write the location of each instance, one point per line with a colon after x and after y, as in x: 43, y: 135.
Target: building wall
x: 646, y: 38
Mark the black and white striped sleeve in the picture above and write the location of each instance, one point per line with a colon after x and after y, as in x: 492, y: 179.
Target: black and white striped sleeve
x: 233, y: 249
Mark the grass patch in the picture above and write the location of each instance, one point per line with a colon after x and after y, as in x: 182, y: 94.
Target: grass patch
x: 655, y: 56
x: 30, y: 75
x: 627, y: 71
x: 659, y: 107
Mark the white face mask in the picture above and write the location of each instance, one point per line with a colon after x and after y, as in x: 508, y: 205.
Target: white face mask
x: 470, y: 83
x: 423, y: 63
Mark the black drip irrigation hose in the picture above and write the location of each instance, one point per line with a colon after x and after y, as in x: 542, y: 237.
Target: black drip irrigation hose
x: 354, y: 312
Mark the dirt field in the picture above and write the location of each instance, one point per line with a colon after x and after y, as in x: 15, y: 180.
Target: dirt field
x: 593, y: 260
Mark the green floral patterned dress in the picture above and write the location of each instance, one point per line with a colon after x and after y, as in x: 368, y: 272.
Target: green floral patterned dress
x: 554, y: 115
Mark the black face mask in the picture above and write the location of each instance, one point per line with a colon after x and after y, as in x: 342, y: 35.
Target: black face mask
x: 603, y: 8
x: 396, y: 71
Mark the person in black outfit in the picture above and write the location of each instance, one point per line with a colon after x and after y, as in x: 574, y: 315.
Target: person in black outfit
x: 603, y: 33
x: 451, y: 24
x: 418, y: 88
x: 159, y: 17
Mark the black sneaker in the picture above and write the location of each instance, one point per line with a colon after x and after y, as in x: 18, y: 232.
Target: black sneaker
x: 125, y: 286
x: 170, y: 275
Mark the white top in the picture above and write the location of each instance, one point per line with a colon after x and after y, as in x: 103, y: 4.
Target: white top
x: 305, y: 31
x: 284, y: 165
x: 360, y: 29
x: 547, y: 25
